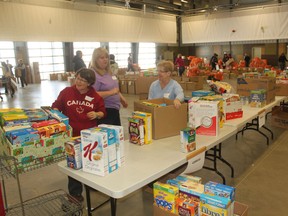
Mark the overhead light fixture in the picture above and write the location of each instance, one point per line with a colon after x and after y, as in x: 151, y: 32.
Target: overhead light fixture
x: 215, y: 8
x: 184, y: 1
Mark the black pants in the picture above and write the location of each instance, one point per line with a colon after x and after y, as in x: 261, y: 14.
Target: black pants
x: 112, y: 117
x: 75, y: 187
x: 23, y: 79
x: 181, y: 70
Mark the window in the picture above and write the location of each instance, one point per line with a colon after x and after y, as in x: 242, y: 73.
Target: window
x: 87, y: 49
x: 7, y: 53
x: 147, y: 55
x: 121, y: 52
x: 49, y: 55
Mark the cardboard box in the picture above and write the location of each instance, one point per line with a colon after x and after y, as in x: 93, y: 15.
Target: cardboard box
x: 245, y: 85
x: 281, y: 89
x: 142, y: 84
x: 131, y: 86
x: 193, y: 86
x: 177, y: 118
x: 183, y: 85
x: 123, y: 86
x: 279, y: 118
x: 240, y: 209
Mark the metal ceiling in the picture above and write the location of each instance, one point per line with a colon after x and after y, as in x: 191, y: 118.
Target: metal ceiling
x: 184, y: 7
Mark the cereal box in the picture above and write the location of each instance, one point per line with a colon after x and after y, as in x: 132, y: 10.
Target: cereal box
x: 112, y: 155
x: 215, y: 205
x: 191, y: 191
x: 147, y: 118
x: 184, y: 208
x: 221, y: 190
x: 136, y: 131
x: 73, y: 153
x: 165, y: 196
x: 188, y: 140
x: 119, y: 132
x: 94, y: 151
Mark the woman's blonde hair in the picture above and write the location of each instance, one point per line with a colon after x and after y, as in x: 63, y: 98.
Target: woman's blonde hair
x: 97, y: 53
x: 168, y: 66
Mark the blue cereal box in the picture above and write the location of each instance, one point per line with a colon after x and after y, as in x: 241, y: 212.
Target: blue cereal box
x: 120, y: 146
x: 214, y: 188
x: 74, y: 153
x: 215, y: 205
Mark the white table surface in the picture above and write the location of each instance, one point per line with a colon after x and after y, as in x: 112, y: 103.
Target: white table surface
x: 144, y: 164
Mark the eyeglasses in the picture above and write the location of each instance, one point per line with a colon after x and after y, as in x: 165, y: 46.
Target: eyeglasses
x: 81, y: 80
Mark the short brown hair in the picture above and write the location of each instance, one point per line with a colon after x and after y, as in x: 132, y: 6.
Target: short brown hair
x: 168, y: 66
x: 87, y: 74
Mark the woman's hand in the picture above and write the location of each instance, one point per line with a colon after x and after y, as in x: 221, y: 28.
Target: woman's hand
x: 94, y: 115
x: 114, y: 91
x: 177, y: 103
x: 124, y: 102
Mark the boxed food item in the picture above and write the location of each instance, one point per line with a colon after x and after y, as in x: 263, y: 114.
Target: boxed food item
x: 185, y: 207
x: 215, y: 205
x: 177, y: 118
x: 232, y: 106
x: 204, y: 116
x: 147, y: 120
x: 136, y: 130
x: 165, y: 196
x: 214, y: 188
x: 188, y: 140
x: 191, y: 190
x: 98, y: 151
x: 73, y: 153
x: 24, y: 137
x: 258, y: 98
x: 240, y: 209
x: 202, y: 93
x: 119, y: 132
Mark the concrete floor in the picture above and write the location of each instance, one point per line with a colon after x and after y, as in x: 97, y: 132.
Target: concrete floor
x: 260, y: 170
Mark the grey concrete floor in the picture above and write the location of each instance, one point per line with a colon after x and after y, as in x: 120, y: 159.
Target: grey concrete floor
x: 260, y: 170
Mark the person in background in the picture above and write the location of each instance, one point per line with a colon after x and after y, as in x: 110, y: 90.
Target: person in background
x: 130, y: 63
x: 180, y: 64
x: 9, y: 67
x: 225, y: 59
x: 84, y: 108
x: 78, y: 62
x: 214, y: 61
x: 22, y: 68
x: 282, y: 61
x: 113, y: 65
x: 107, y: 86
x: 247, y: 60
x: 165, y: 87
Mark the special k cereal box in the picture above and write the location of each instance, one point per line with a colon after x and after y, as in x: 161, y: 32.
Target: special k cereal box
x: 147, y: 117
x: 94, y: 151
x: 165, y: 196
x: 120, y: 147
